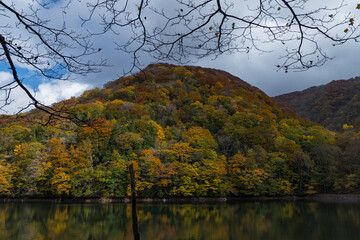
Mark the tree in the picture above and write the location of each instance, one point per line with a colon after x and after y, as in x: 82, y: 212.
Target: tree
x: 5, y: 178
x: 99, y: 130
x: 59, y: 174
x: 246, y: 176
x: 169, y: 30
x: 200, y: 138
x: 29, y: 168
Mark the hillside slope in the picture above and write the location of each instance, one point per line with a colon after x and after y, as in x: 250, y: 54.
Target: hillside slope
x: 331, y: 105
x: 189, y: 132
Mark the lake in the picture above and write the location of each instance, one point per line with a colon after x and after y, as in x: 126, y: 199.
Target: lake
x: 229, y: 220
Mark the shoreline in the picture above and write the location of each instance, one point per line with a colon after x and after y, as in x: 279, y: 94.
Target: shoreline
x: 352, y: 198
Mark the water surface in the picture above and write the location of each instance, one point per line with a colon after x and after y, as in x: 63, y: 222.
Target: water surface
x: 233, y: 220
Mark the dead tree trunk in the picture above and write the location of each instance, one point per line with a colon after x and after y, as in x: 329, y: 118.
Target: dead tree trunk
x: 133, y: 203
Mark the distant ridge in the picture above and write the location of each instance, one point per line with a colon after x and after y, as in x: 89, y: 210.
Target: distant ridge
x: 331, y: 105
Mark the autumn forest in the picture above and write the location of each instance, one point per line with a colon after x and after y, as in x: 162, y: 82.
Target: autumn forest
x: 189, y: 132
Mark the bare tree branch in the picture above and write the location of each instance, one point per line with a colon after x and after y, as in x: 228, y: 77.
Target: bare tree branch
x: 191, y: 28
x: 53, y: 53
x: 176, y: 30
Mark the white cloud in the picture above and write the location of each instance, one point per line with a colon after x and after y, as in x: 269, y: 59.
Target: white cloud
x: 17, y: 97
x: 55, y: 91
x: 5, y: 77
x: 48, y: 93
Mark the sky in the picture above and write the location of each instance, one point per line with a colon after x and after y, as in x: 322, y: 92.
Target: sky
x: 256, y: 68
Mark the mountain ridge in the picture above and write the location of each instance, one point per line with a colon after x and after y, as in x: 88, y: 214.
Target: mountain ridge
x: 331, y: 105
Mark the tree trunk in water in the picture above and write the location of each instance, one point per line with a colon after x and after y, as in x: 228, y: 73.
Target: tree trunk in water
x: 133, y: 203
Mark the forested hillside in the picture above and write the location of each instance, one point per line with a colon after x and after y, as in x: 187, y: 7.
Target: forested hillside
x: 189, y: 131
x: 331, y: 105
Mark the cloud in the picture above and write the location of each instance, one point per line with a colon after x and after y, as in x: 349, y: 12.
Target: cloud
x: 5, y: 77
x: 47, y: 93
x: 17, y: 97
x: 256, y: 68
x: 55, y: 91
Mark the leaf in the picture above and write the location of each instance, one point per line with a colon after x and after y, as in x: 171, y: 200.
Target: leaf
x: 278, y: 8
x: 358, y: 6
x: 351, y: 21
x: 346, y: 30
x: 210, y: 28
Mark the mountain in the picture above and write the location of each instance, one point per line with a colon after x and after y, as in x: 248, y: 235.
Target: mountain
x: 188, y: 131
x: 331, y: 105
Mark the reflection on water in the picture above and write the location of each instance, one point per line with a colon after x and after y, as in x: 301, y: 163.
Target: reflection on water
x: 240, y: 220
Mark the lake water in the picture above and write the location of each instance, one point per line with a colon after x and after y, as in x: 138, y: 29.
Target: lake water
x: 232, y: 220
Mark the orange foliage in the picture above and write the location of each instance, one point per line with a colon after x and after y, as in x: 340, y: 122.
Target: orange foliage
x: 99, y: 129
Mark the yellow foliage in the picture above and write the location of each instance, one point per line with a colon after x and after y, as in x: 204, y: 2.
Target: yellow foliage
x: 200, y: 138
x: 28, y: 150
x: 348, y: 127
x: 251, y: 179
x: 187, y: 187
x: 179, y: 83
x: 286, y: 187
x: 311, y: 187
x: 180, y: 151
x: 183, y: 73
x: 81, y: 156
x: 5, y: 178
x: 160, y: 134
x: 236, y: 164
x: 12, y: 136
x: 197, y: 105
x: 351, y: 181
x: 143, y: 185
x: 58, y: 155
x: 61, y: 182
